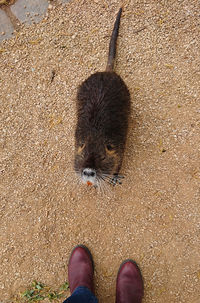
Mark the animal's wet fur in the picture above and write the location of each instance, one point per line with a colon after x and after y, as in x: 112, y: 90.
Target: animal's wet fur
x: 103, y: 105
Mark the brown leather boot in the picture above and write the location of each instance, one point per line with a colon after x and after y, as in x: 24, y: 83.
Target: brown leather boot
x: 129, y: 286
x: 80, y: 268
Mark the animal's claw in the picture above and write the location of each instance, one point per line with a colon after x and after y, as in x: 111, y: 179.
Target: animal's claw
x: 116, y: 179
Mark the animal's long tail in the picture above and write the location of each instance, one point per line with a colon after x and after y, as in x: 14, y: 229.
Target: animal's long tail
x: 113, y: 42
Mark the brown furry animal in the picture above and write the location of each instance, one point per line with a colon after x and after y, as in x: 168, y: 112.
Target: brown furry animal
x: 103, y: 105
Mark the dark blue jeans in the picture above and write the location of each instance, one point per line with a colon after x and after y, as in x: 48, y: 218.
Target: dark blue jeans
x: 81, y: 295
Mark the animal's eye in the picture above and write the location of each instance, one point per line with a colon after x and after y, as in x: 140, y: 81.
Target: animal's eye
x: 109, y: 147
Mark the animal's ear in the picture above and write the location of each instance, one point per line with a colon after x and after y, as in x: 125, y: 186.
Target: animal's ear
x: 81, y: 147
x: 110, y: 149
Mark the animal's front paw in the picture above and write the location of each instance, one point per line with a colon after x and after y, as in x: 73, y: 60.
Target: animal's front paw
x: 117, y: 179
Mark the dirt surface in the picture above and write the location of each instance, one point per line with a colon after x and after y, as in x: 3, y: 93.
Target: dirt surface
x: 154, y: 217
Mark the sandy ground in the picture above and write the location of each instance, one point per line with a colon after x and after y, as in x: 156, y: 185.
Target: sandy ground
x: 154, y: 217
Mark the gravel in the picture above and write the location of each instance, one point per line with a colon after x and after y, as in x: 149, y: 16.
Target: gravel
x: 153, y: 217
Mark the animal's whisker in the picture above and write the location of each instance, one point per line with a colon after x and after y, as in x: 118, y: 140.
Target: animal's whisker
x: 118, y: 176
x: 106, y: 178
x: 107, y: 181
x: 100, y: 189
x: 107, y: 187
x: 104, y: 183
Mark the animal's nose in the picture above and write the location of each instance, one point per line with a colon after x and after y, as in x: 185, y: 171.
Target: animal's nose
x: 89, y: 172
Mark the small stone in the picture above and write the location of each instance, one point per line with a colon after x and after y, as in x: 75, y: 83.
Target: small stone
x: 32, y: 7
x: 6, y: 27
x: 50, y: 6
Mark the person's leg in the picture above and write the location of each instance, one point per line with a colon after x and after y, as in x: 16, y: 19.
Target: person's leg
x: 81, y: 294
x: 129, y: 286
x: 80, y: 276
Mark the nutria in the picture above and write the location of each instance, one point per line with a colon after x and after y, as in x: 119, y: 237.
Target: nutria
x: 103, y: 105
